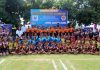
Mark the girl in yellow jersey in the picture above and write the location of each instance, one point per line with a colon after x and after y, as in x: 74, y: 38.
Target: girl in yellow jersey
x: 10, y: 44
x: 98, y: 46
x: 98, y: 42
x: 15, y: 46
x: 63, y: 40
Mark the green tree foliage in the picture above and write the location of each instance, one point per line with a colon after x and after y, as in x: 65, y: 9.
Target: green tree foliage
x: 46, y: 5
x: 2, y: 8
x: 95, y: 5
x: 14, y: 8
x: 88, y: 11
x: 83, y: 11
x: 68, y: 5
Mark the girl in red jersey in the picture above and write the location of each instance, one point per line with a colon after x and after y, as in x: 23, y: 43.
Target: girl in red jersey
x: 54, y: 47
x: 40, y: 48
x: 24, y: 48
x: 64, y: 48
x: 18, y: 49
x: 1, y: 47
x: 46, y: 47
x: 58, y: 48
x: 5, y: 46
x: 32, y: 49
x: 91, y: 47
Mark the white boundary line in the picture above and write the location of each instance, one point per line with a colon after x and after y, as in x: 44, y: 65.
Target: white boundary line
x: 65, y: 68
x: 72, y: 67
x: 2, y: 61
x: 54, y: 64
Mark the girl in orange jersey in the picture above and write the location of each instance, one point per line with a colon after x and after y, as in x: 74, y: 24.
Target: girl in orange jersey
x: 28, y: 31
x: 32, y: 30
x: 62, y: 30
x: 52, y: 30
x: 71, y: 30
x: 67, y: 30
x: 37, y: 31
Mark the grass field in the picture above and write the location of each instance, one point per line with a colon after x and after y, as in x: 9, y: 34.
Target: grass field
x: 50, y: 62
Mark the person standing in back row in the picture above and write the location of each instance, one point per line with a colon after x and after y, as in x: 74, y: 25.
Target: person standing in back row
x: 71, y: 30
x: 96, y: 34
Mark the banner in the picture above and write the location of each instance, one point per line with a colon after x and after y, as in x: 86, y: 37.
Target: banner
x: 6, y: 26
x: 48, y: 17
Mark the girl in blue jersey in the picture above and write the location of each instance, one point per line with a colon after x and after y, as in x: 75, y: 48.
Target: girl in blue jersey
x: 50, y: 38
x: 44, y: 39
x: 34, y: 41
x: 53, y: 38
x: 58, y: 39
x: 29, y: 41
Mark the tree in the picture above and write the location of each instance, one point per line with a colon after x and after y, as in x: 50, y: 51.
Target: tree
x: 88, y: 11
x: 2, y: 8
x: 83, y: 11
x: 14, y: 8
x: 68, y: 5
x: 95, y: 5
x: 46, y: 5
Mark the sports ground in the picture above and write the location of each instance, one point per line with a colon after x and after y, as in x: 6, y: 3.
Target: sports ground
x: 50, y: 62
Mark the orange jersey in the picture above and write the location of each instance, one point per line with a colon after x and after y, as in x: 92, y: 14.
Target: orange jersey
x: 61, y: 30
x: 44, y: 30
x: 52, y: 30
x: 32, y: 30
x: 28, y: 30
x: 57, y: 30
x: 40, y: 30
x: 36, y: 30
x: 71, y: 29
x: 67, y: 30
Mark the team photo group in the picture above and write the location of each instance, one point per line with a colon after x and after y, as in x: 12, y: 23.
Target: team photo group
x: 53, y: 40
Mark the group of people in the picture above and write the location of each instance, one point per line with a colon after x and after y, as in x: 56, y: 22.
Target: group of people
x: 53, y: 40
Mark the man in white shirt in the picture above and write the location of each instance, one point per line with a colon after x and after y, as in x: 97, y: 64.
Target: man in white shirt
x: 28, y: 25
x: 19, y: 32
x: 23, y: 28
